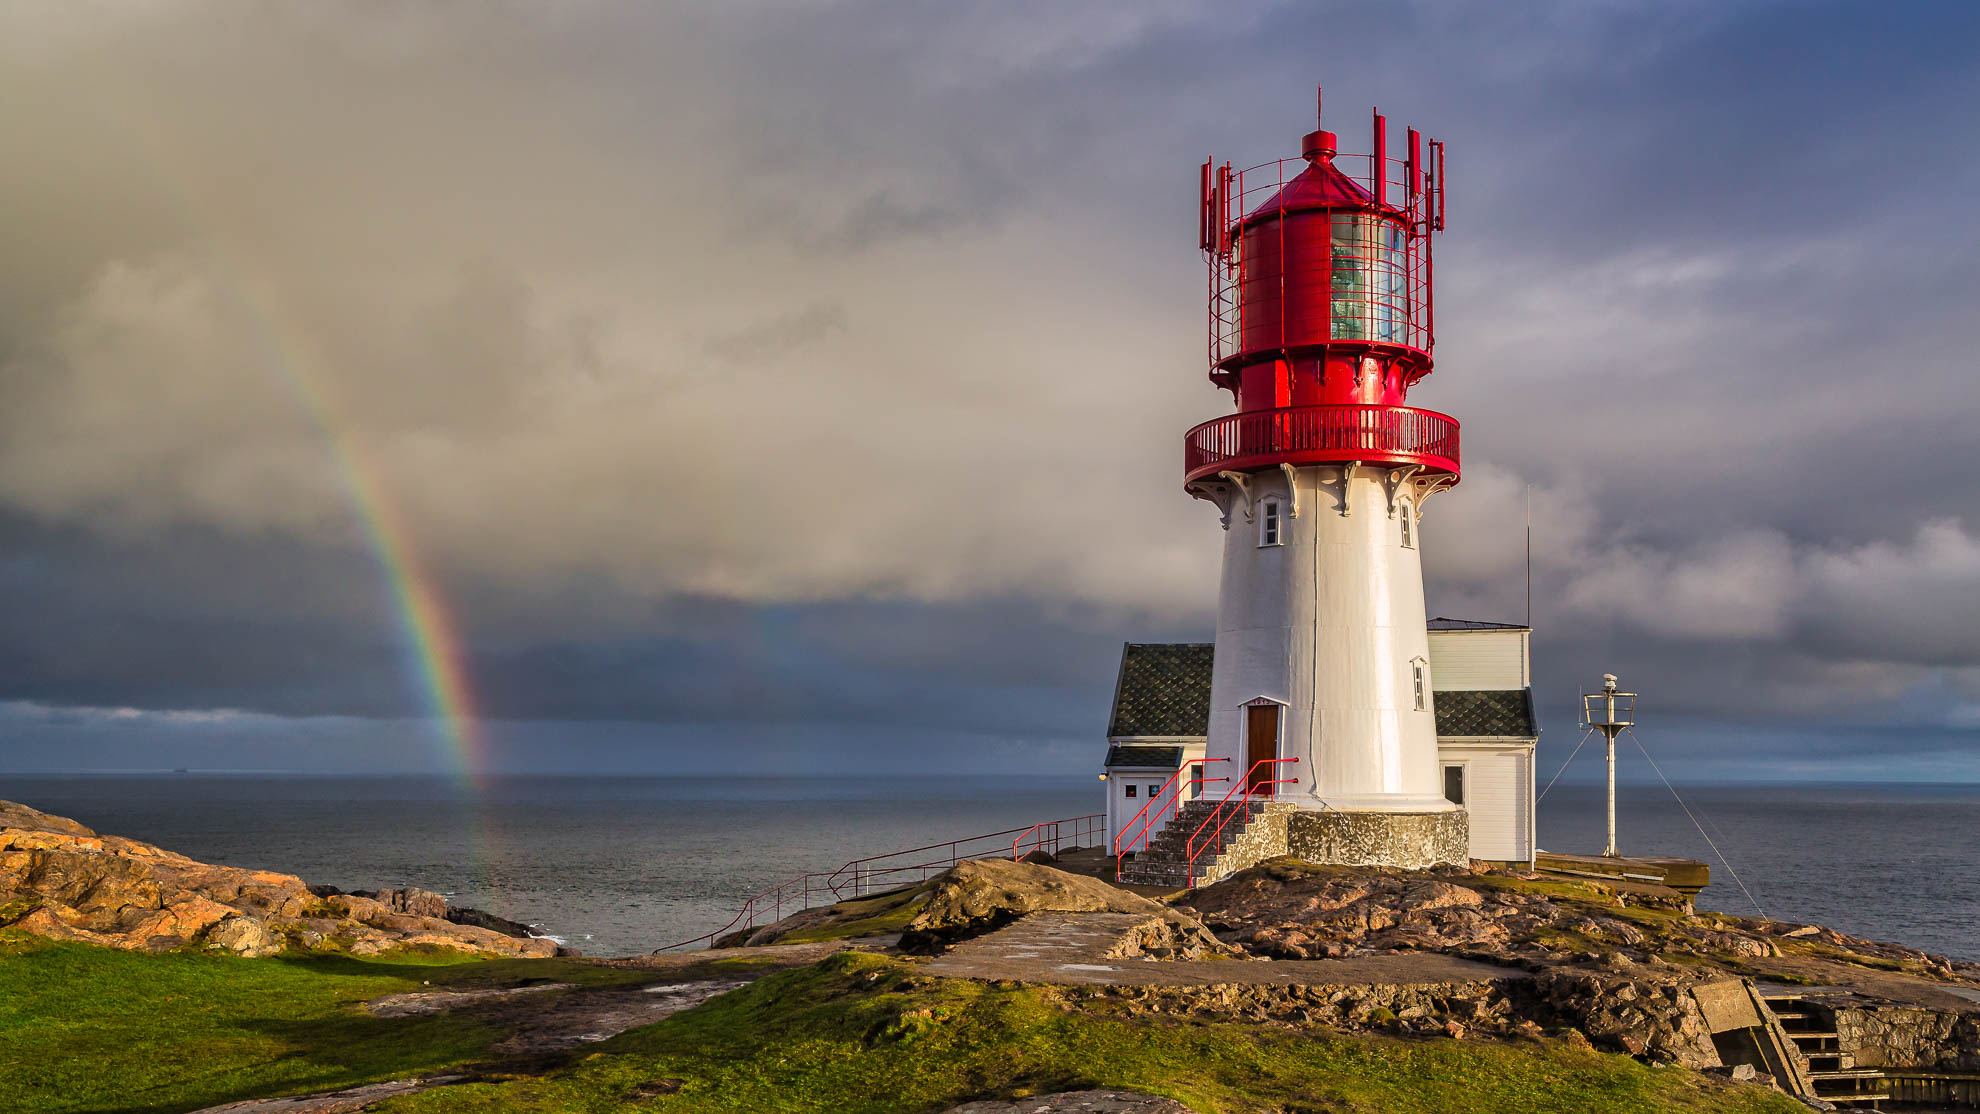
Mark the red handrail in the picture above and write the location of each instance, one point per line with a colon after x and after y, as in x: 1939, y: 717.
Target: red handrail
x: 1316, y: 434
x: 1251, y: 789
x: 831, y: 886
x: 1146, y: 821
x: 1082, y: 826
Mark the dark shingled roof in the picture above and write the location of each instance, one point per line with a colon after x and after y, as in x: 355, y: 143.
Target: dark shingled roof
x: 1470, y: 714
x: 1164, y: 689
x: 1163, y: 758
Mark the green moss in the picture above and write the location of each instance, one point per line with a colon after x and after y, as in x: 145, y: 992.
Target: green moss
x: 868, y: 916
x: 84, y: 1028
x: 862, y: 1034
x: 15, y: 910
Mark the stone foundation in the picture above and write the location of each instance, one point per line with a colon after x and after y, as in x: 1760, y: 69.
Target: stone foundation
x: 1411, y: 840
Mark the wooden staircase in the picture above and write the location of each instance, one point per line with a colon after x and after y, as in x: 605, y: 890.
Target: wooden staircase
x: 1832, y: 1073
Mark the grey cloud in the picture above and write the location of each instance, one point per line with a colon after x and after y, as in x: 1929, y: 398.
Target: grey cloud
x: 847, y: 348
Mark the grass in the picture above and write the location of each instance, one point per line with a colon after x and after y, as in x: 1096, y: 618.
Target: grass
x: 84, y: 1028
x: 862, y: 1034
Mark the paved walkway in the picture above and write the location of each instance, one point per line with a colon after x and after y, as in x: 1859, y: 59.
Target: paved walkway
x: 1071, y: 948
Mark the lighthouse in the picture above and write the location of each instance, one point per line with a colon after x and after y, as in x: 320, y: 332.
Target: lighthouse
x: 1321, y: 322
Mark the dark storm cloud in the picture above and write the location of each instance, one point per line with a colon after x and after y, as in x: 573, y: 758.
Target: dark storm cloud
x: 820, y: 366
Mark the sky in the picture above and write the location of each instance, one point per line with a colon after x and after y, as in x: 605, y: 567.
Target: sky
x: 798, y: 386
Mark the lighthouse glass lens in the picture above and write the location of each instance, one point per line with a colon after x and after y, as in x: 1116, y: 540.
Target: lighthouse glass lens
x: 1370, y: 289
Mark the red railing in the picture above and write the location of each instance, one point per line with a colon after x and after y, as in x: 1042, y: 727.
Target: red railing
x: 858, y: 877
x: 1147, y: 822
x: 1051, y: 831
x: 1320, y: 434
x: 1252, y: 786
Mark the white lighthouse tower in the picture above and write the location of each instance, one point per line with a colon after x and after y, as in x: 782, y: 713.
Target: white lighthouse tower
x: 1320, y: 323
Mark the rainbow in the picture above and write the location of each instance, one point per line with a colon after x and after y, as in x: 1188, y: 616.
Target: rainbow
x: 435, y: 652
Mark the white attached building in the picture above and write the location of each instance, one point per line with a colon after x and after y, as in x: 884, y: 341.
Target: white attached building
x: 1481, y: 693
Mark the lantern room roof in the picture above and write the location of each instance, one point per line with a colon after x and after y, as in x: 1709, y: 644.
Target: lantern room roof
x: 1322, y: 185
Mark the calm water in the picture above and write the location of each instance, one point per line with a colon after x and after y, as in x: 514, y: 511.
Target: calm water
x: 617, y: 865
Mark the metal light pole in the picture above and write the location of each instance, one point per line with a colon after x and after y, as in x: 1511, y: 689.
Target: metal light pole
x: 1611, y: 713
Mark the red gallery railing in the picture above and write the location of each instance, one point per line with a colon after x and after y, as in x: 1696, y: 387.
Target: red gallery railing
x: 1134, y: 836
x: 874, y: 873
x: 1253, y: 786
x: 1321, y: 434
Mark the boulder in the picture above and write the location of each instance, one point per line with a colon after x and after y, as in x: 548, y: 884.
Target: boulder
x: 245, y: 935
x: 976, y: 896
x: 413, y: 901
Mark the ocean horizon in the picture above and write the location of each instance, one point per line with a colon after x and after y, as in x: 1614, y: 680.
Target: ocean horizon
x: 626, y: 864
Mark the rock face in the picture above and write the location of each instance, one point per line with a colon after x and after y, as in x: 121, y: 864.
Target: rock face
x: 1627, y: 967
x: 976, y: 896
x: 61, y: 880
x: 1880, y: 1035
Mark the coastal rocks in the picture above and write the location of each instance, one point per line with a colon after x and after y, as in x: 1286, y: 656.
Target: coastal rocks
x: 1482, y: 1007
x: 1651, y: 1018
x: 976, y: 896
x: 61, y: 880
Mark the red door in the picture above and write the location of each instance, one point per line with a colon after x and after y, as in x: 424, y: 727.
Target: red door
x: 1261, y: 738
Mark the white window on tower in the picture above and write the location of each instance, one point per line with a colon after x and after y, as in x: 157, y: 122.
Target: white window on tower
x: 1407, y: 517
x: 1271, y: 528
x: 1419, y: 677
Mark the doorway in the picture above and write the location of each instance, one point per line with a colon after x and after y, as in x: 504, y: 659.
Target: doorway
x: 1261, y: 742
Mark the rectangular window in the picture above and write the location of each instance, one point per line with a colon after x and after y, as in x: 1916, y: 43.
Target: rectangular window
x: 1422, y: 687
x: 1196, y: 780
x: 1454, y: 784
x: 1129, y: 787
x: 1408, y: 529
x: 1154, y: 791
x: 1269, y: 527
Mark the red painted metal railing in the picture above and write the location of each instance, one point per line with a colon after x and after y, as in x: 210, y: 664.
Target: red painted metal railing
x: 1321, y: 434
x: 1052, y: 831
x: 1252, y: 786
x: 1133, y: 836
x: 874, y: 873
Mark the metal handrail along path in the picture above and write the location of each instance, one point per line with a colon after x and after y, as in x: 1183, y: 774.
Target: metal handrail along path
x: 859, y: 876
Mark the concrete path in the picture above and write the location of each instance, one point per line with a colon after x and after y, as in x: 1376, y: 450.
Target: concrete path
x: 1072, y: 948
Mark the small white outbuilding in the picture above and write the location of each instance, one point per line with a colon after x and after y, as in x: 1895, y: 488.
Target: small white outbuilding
x: 1481, y: 692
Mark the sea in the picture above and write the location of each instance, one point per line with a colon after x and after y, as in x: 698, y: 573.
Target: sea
x: 622, y: 865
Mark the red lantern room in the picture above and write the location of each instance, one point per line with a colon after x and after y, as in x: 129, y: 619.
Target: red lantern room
x: 1321, y: 312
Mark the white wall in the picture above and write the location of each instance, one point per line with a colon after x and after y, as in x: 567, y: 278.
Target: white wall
x: 1122, y: 809
x: 1478, y: 659
x: 1328, y: 623
x: 1498, y: 797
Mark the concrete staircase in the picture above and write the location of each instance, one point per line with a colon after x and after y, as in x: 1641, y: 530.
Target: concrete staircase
x: 1255, y: 831
x: 1832, y: 1073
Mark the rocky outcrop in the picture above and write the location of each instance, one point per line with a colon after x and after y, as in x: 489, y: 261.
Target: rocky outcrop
x: 1287, y: 909
x: 1648, y: 1015
x: 977, y: 896
x: 61, y: 880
